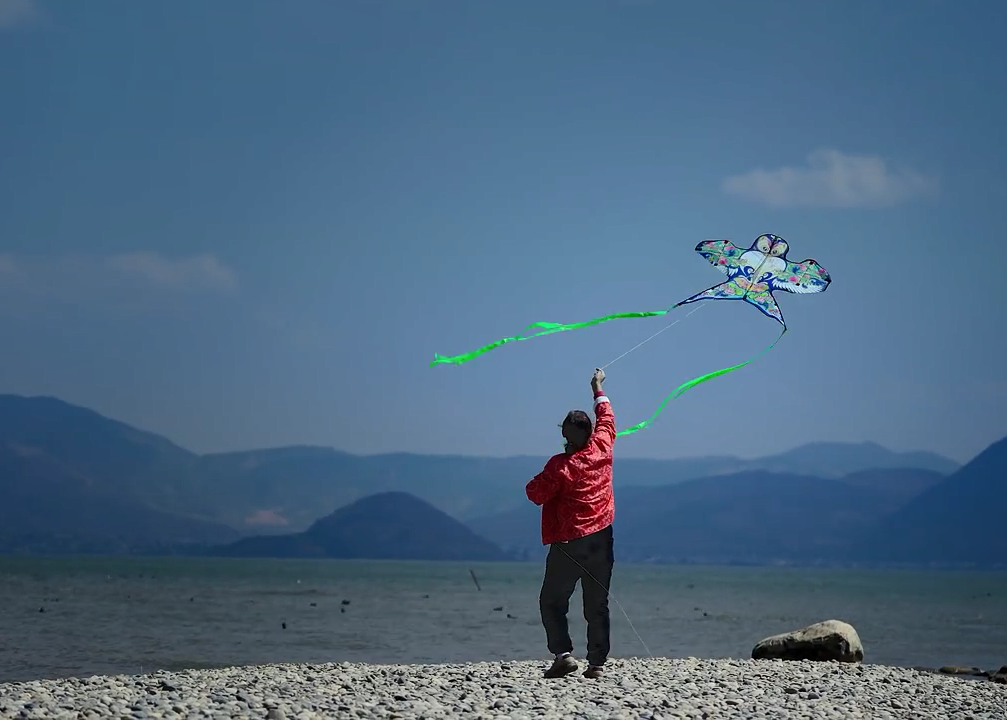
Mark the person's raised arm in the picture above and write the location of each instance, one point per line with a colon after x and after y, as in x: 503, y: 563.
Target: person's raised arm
x: 604, y: 424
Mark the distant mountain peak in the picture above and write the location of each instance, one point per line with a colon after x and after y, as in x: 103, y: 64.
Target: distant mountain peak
x: 389, y: 525
x: 957, y: 520
x: 42, y: 411
x: 392, y: 504
x: 834, y: 459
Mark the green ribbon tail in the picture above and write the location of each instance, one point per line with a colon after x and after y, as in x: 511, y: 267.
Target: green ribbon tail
x: 685, y: 387
x: 546, y: 329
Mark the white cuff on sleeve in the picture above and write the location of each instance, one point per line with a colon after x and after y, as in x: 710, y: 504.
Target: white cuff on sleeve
x: 600, y: 399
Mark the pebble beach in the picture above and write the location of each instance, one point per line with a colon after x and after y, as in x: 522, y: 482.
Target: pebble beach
x: 633, y: 688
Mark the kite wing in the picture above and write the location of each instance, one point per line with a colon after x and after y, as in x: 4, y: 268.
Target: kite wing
x: 802, y: 278
x: 722, y: 254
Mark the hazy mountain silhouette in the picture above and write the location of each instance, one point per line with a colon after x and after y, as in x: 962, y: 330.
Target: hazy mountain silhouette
x: 120, y: 458
x: 124, y: 473
x: 743, y: 517
x: 278, y: 490
x: 755, y: 516
x: 385, y: 526
x: 835, y: 460
x: 48, y: 507
x: 961, y: 520
x: 898, y: 485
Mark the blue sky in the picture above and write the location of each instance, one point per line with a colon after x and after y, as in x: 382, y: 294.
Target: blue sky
x: 248, y: 223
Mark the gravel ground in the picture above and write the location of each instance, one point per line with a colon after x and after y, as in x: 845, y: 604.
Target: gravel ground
x: 638, y: 688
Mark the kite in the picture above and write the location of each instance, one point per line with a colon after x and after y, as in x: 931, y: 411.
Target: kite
x: 753, y: 275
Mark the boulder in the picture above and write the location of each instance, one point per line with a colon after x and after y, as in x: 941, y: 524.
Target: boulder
x: 829, y: 640
x: 1000, y: 676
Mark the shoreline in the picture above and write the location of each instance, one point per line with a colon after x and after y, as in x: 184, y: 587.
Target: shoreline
x: 631, y: 688
x: 854, y: 565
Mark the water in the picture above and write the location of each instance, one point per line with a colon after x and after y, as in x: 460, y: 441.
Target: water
x: 110, y: 616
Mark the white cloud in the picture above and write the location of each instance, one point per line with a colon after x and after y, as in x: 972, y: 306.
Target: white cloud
x: 201, y: 272
x: 17, y: 12
x: 832, y: 179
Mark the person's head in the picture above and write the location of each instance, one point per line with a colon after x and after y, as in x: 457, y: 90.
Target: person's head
x: 577, y: 429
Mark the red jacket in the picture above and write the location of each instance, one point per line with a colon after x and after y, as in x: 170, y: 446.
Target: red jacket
x: 575, y: 491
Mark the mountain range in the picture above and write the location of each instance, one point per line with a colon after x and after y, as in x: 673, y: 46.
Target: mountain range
x: 961, y: 520
x: 751, y: 516
x: 47, y: 505
x: 72, y: 480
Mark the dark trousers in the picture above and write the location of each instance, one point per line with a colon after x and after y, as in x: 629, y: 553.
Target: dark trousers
x: 588, y: 559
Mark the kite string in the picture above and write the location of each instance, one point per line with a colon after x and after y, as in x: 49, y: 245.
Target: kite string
x: 641, y: 344
x: 675, y: 322
x: 609, y: 593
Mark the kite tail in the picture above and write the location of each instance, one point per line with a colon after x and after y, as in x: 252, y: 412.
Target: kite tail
x: 546, y: 329
x: 683, y: 388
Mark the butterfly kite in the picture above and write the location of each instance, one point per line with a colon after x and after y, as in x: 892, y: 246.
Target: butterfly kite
x: 752, y: 276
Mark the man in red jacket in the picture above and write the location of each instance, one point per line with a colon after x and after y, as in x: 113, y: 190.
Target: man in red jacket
x: 578, y: 508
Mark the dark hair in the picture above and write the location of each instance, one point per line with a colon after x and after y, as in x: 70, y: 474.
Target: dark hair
x: 579, y: 420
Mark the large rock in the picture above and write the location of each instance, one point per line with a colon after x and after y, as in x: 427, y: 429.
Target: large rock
x: 829, y: 640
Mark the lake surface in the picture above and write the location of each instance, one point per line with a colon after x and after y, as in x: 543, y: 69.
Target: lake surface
x: 115, y: 615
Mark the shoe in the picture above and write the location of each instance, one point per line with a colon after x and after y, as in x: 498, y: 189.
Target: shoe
x: 594, y: 671
x: 562, y: 666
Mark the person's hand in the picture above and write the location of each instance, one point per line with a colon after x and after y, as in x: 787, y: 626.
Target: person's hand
x: 598, y: 379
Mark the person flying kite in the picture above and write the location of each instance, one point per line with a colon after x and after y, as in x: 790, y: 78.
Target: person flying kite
x: 574, y: 490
